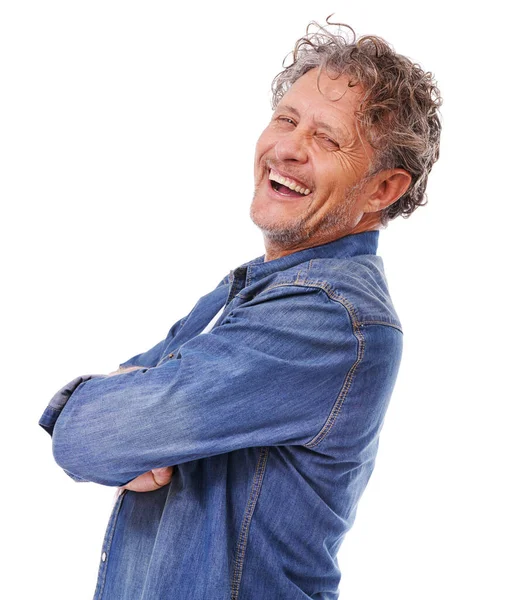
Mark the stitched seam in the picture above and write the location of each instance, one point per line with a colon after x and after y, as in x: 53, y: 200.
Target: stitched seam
x: 330, y: 292
x: 108, y: 542
x: 245, y: 526
x: 356, y: 328
x: 327, y: 289
x: 330, y: 421
x: 381, y: 323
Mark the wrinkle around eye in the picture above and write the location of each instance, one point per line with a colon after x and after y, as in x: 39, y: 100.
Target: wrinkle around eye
x: 350, y: 157
x: 351, y: 147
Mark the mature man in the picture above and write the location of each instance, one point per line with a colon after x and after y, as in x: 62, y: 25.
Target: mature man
x: 244, y: 440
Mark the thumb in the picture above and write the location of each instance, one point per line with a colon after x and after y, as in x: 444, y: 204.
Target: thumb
x: 162, y: 475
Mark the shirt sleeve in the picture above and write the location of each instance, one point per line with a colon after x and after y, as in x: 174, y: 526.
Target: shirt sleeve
x: 146, y: 359
x: 57, y: 403
x: 269, y: 374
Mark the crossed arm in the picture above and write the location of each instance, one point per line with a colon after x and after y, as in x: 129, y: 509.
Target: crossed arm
x: 269, y: 374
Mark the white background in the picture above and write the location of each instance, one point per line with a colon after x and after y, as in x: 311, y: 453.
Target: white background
x: 127, y: 132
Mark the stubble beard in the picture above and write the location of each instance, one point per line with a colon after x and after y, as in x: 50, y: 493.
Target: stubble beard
x: 289, y: 234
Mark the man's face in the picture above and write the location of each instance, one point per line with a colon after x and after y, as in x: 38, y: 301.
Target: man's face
x: 312, y: 141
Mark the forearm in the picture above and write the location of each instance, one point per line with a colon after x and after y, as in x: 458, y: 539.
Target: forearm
x: 98, y: 417
x: 227, y: 389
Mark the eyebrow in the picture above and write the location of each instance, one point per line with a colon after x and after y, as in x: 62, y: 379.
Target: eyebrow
x: 295, y: 112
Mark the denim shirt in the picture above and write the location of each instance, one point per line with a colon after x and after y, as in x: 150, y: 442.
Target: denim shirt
x: 271, y: 420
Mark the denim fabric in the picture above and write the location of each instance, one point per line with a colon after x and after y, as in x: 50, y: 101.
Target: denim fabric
x: 271, y: 419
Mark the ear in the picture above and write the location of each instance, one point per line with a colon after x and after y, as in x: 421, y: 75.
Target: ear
x: 385, y: 188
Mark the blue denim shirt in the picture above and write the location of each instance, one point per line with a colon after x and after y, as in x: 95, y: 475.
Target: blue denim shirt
x: 271, y: 418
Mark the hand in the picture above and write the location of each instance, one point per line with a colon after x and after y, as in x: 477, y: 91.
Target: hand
x: 121, y: 370
x: 150, y: 481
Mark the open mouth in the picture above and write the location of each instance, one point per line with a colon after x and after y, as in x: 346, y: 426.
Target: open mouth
x: 287, y: 187
x: 284, y: 190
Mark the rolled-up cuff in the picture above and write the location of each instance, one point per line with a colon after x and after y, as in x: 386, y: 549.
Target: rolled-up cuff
x: 59, y: 400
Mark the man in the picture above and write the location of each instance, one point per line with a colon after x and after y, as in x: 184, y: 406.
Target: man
x: 243, y: 441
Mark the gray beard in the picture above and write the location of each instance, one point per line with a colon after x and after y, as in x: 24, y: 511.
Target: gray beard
x: 287, y: 236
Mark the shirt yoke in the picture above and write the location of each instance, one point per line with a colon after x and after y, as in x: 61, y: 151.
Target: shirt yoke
x: 358, y: 282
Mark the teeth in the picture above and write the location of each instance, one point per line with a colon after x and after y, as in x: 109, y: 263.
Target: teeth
x: 288, y: 182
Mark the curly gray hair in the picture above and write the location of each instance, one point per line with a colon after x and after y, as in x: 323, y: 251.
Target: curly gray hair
x: 399, y: 109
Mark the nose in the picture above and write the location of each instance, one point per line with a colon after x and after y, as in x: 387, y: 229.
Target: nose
x: 292, y: 147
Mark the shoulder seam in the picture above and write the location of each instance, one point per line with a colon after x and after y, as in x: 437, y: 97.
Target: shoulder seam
x: 342, y: 395
x: 334, y: 296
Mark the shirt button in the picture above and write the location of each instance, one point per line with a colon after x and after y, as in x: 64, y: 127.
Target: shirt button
x: 103, y: 556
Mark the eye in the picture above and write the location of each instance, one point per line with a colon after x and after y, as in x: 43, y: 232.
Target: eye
x: 286, y: 120
x: 330, y: 143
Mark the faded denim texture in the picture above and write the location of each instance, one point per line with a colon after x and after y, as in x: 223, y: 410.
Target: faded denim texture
x: 271, y: 418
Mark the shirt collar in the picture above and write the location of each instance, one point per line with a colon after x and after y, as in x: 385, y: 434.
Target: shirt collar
x: 344, y: 247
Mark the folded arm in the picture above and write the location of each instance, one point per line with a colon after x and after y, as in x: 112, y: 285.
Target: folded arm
x: 268, y: 375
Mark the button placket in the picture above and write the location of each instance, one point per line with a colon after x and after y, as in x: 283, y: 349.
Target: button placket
x: 110, y: 530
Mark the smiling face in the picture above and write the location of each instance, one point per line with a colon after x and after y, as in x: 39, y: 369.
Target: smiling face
x: 310, y: 165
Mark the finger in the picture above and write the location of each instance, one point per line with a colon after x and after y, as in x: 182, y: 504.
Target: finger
x: 162, y: 476
x: 142, y: 483
x: 150, y: 481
